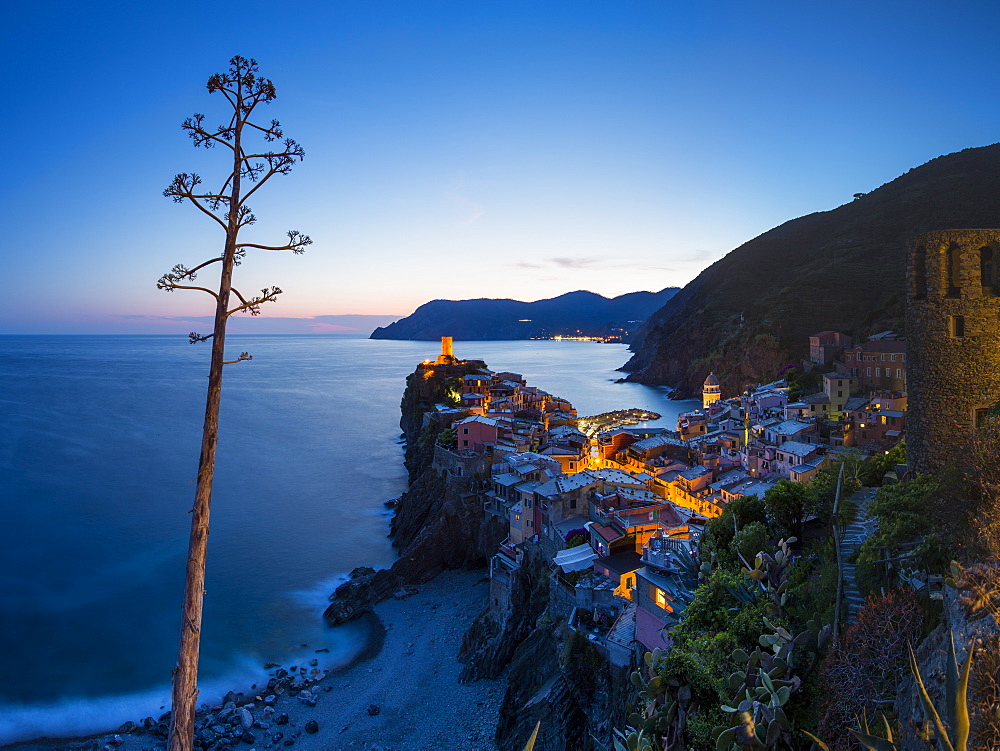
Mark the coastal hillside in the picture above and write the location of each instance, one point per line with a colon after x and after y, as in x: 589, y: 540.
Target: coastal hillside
x: 751, y: 312
x: 573, y: 314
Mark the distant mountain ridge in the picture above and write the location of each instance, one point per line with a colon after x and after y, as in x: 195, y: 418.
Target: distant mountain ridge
x: 750, y: 313
x: 484, y: 319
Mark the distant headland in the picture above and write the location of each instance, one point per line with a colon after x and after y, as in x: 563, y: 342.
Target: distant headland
x: 575, y: 315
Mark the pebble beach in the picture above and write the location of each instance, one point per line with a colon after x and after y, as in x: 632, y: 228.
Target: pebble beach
x: 403, y: 694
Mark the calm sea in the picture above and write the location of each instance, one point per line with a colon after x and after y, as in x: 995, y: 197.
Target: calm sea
x: 99, y: 439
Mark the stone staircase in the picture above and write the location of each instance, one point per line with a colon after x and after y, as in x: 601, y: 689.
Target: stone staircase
x: 850, y: 540
x: 623, y: 630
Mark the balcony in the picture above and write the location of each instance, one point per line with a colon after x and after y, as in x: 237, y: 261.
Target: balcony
x: 660, y: 552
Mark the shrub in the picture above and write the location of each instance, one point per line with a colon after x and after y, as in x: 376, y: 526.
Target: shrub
x: 576, y: 537
x: 862, y: 674
x: 750, y: 540
x: 905, y: 513
x: 873, y: 470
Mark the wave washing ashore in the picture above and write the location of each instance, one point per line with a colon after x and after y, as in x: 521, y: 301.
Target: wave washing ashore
x: 324, y: 454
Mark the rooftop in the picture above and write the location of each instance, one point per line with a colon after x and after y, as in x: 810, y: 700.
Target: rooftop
x: 797, y: 448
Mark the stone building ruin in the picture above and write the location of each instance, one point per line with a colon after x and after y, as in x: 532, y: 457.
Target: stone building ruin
x: 953, y: 340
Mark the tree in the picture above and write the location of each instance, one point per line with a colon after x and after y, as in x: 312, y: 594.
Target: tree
x: 244, y: 90
x: 785, y: 504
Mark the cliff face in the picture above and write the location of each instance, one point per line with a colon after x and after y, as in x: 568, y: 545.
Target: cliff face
x: 439, y: 522
x: 485, y: 319
x: 752, y: 311
x: 557, y: 678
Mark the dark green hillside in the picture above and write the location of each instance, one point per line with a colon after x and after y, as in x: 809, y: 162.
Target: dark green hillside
x: 751, y: 312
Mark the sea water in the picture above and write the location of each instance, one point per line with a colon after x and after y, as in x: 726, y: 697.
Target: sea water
x: 99, y: 443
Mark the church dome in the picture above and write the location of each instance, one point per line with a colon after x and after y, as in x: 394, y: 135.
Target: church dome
x: 711, y: 380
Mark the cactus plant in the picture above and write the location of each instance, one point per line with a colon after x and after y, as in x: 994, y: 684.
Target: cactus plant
x: 765, y: 684
x: 534, y: 736
x: 771, y: 572
x: 762, y: 688
x: 953, y: 735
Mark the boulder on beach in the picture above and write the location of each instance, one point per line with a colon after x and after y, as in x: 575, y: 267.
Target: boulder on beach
x: 360, y: 594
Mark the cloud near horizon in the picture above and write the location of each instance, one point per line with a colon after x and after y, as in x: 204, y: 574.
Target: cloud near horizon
x: 342, y: 325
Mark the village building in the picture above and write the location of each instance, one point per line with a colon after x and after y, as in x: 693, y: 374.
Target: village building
x: 879, y: 363
x: 826, y: 345
x: 711, y: 391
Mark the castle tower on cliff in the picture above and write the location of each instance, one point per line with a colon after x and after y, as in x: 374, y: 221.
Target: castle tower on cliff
x: 711, y: 391
x: 952, y: 340
x: 447, y: 356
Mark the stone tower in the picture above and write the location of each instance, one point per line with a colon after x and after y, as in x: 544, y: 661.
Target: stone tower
x: 447, y: 356
x: 711, y: 392
x: 952, y: 340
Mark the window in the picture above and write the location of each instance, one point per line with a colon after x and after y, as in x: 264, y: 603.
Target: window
x: 899, y: 372
x: 465, y: 431
x: 465, y: 443
x: 868, y: 372
x: 951, y: 263
x: 572, y: 465
x: 878, y: 372
x: 987, y: 271
x: 661, y: 597
x: 894, y: 358
x: 883, y: 358
x: 979, y: 417
x: 956, y: 327
x: 840, y: 394
x: 572, y: 502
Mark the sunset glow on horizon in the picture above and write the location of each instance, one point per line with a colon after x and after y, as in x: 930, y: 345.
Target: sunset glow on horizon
x: 504, y: 150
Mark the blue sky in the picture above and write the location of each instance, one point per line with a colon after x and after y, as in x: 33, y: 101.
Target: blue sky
x: 460, y: 149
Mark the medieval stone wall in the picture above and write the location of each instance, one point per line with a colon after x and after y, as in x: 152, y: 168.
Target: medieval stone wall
x: 953, y: 340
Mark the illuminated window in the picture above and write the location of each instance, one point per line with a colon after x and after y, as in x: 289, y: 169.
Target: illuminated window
x: 661, y: 598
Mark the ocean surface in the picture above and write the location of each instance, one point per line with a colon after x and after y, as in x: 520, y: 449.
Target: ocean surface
x: 99, y: 441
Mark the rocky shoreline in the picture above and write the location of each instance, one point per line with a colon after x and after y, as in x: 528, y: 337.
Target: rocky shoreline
x: 401, y: 692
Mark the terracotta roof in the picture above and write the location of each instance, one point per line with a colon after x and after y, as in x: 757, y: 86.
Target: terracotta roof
x: 605, y: 533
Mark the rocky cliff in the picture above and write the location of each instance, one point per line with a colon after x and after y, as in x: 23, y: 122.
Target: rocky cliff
x: 580, y: 312
x: 439, y: 522
x: 554, y: 675
x: 752, y: 312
